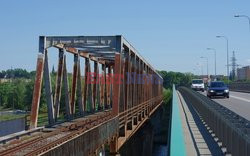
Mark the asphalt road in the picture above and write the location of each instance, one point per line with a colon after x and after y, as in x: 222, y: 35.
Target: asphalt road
x: 238, y: 103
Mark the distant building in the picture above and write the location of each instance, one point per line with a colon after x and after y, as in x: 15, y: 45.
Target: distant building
x: 243, y: 73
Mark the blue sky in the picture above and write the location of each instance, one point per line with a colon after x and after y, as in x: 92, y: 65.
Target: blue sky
x: 171, y: 35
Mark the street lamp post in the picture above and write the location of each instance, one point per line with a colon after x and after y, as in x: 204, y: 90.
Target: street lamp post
x: 200, y: 68
x: 207, y: 65
x: 244, y: 16
x: 227, y: 56
x: 214, y: 60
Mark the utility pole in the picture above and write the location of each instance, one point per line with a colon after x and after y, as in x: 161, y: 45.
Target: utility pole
x: 234, y: 65
x: 214, y: 60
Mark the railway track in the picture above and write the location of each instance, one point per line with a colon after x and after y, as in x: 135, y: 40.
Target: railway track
x: 45, y: 142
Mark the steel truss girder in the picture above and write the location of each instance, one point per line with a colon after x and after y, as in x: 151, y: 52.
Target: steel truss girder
x: 90, y: 44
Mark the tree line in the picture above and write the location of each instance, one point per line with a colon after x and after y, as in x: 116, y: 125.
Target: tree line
x: 17, y: 92
x: 177, y: 78
x: 16, y: 73
x: 16, y: 89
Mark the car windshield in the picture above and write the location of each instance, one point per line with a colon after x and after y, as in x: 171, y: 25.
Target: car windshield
x: 197, y: 82
x: 217, y: 84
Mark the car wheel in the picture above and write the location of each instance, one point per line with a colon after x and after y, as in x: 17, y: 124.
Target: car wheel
x: 209, y: 96
x: 228, y: 96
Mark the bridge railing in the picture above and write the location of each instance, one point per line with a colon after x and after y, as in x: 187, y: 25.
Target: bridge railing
x: 231, y: 129
x: 240, y: 87
x: 176, y: 142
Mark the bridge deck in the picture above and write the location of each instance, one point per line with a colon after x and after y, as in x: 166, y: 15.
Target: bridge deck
x: 198, y: 140
x: 192, y: 137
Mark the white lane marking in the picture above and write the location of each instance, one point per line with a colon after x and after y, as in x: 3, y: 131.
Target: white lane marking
x: 239, y: 98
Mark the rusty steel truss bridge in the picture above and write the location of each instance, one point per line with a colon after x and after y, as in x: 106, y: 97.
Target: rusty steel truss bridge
x: 119, y: 91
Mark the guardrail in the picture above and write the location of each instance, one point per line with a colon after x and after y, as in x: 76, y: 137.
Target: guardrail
x: 240, y: 87
x: 231, y: 129
x: 176, y: 142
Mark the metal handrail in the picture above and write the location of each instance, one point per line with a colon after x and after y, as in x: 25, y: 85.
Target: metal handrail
x: 230, y: 128
x: 177, y: 143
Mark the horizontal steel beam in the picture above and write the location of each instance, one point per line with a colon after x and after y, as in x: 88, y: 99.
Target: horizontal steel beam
x: 81, y: 41
x: 92, y: 44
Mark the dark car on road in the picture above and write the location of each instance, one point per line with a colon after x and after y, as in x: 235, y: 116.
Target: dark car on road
x: 217, y: 88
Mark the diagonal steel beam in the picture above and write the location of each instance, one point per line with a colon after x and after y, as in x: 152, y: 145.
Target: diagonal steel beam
x: 37, y: 91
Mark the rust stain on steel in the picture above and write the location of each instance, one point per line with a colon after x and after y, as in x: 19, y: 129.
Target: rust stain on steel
x: 85, y: 89
x: 95, y: 85
x: 89, y: 92
x: 37, y: 91
x: 116, y: 85
x: 59, y: 83
x: 98, y: 96
x: 109, y: 87
x: 102, y: 88
x: 85, y: 143
x: 74, y: 82
x: 105, y: 86
x: 47, y: 141
x: 79, y: 88
x: 133, y: 102
x: 122, y: 88
x: 66, y: 90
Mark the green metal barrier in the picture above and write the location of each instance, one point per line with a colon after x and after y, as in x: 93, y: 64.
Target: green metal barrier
x: 177, y: 144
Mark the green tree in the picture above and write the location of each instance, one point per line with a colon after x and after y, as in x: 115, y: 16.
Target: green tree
x: 177, y: 78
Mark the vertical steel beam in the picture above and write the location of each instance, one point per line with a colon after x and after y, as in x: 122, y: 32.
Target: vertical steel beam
x: 114, y: 146
x: 37, y: 91
x: 58, y: 87
x: 130, y: 81
x: 109, y: 87
x: 48, y: 91
x: 102, y: 87
x: 111, y: 84
x: 105, y: 86
x: 116, y: 84
x: 85, y: 89
x: 74, y: 82
x: 90, y: 97
x: 98, y: 96
x: 87, y: 99
x: 138, y: 82
x: 79, y: 88
x: 95, y: 85
x: 122, y: 90
x: 66, y: 90
x: 134, y: 81
x: 126, y: 78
